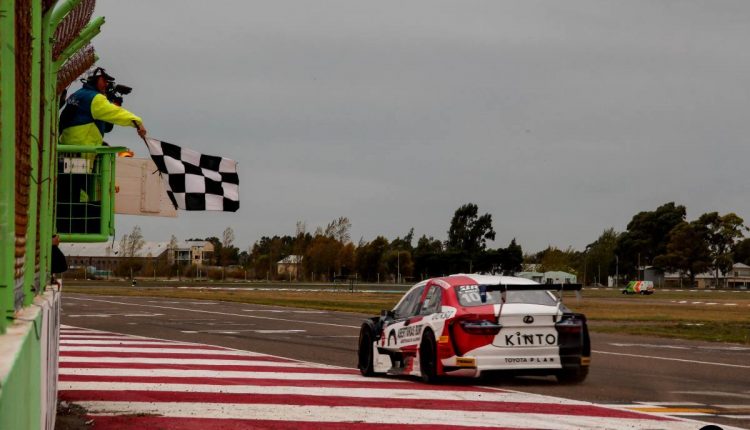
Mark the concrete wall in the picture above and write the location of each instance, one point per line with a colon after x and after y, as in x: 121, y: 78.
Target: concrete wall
x: 28, y: 366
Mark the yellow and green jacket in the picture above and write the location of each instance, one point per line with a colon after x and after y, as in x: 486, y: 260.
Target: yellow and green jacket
x: 83, y: 119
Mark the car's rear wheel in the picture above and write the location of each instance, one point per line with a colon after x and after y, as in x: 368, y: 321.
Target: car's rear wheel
x: 572, y: 375
x: 428, y: 358
x: 365, y: 350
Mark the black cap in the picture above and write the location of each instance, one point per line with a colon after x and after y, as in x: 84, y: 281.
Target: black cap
x: 99, y: 72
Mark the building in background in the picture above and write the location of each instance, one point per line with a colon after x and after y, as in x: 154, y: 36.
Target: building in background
x: 102, y: 259
x: 289, y: 266
x: 549, y: 277
x: 737, y: 278
x: 193, y: 252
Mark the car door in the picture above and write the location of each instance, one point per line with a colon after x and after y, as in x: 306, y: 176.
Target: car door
x: 399, y: 333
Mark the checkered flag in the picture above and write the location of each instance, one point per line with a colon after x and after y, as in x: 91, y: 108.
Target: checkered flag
x: 195, y: 181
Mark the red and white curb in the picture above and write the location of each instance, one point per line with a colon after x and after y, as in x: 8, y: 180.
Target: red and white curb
x: 130, y: 382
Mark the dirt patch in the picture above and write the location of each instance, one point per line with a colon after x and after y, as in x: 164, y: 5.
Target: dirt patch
x: 71, y: 417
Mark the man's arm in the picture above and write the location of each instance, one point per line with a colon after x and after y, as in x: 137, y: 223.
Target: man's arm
x: 103, y: 110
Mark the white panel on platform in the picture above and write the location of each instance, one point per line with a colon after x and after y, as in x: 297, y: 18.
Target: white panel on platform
x: 140, y: 190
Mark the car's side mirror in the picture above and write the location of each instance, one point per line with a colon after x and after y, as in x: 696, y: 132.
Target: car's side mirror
x: 385, y: 313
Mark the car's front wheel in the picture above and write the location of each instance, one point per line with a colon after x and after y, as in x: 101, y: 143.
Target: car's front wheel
x: 428, y: 358
x: 365, y: 360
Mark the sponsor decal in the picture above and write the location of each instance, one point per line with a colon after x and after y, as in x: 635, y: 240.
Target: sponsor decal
x: 409, y: 334
x: 538, y: 339
x: 466, y: 362
x: 462, y: 288
x: 410, y: 331
x: 516, y: 360
x: 442, y: 315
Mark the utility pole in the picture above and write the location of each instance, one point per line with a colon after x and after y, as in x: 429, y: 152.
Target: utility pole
x: 617, y: 271
x: 398, y: 267
x: 639, y: 267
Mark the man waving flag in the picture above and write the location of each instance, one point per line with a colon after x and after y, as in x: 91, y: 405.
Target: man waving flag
x: 195, y: 181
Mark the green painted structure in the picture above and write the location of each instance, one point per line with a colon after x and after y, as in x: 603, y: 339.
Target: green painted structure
x: 44, y: 46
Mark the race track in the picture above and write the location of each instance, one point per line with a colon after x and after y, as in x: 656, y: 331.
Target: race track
x: 666, y: 378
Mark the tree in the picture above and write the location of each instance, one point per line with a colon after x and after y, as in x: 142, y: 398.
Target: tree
x: 228, y: 254
x: 227, y: 237
x: 720, y: 233
x: 218, y: 248
x: 600, y: 255
x: 468, y: 231
x: 554, y: 259
x: 687, y: 251
x: 513, y: 261
x: 338, y: 229
x: 647, y: 235
x: 398, y: 262
x: 404, y: 243
x: 369, y: 258
x: 266, y: 252
x: 322, y: 256
x: 428, y: 245
x: 130, y: 244
x: 172, y: 250
x: 133, y: 242
x: 741, y: 252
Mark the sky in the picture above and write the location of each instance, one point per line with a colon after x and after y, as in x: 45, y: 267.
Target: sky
x: 561, y: 119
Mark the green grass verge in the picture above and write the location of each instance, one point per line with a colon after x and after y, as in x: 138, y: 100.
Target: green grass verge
x: 662, y: 314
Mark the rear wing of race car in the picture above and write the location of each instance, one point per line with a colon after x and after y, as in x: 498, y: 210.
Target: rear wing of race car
x: 504, y: 288
x: 534, y: 287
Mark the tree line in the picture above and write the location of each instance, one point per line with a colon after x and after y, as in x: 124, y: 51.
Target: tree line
x: 661, y: 238
x: 329, y: 254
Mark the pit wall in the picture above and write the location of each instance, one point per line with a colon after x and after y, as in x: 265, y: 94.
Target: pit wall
x: 44, y: 47
x: 28, y: 365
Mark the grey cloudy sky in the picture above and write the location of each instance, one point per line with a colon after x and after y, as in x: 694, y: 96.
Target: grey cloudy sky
x: 559, y: 118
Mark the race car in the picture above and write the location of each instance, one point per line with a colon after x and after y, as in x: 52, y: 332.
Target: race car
x: 468, y: 325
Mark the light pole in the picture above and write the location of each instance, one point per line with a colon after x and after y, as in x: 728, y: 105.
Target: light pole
x: 639, y: 267
x: 398, y: 267
x: 617, y: 271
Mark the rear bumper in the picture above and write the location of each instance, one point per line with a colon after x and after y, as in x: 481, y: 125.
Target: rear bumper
x: 491, y: 358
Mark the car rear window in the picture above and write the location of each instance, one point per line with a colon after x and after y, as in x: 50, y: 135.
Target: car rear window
x: 477, y: 295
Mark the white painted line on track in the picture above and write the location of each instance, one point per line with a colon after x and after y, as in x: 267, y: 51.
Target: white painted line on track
x: 370, y: 392
x: 218, y: 313
x: 646, y: 345
x: 76, y: 383
x: 715, y: 393
x: 112, y: 315
x: 192, y: 373
x: 114, y: 342
x: 90, y: 316
x: 673, y: 359
x: 64, y: 348
x: 278, y: 331
x: 180, y: 361
x: 344, y: 414
x: 91, y: 336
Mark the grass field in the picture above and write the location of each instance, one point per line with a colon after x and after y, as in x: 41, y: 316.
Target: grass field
x: 719, y: 316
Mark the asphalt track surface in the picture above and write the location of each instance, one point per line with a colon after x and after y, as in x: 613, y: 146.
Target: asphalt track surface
x: 697, y: 380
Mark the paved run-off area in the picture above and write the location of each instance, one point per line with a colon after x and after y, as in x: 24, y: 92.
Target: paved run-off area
x: 130, y: 382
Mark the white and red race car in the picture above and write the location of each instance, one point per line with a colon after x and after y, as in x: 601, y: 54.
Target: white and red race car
x: 469, y: 325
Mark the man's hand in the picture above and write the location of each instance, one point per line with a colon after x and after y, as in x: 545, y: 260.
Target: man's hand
x: 141, y: 131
